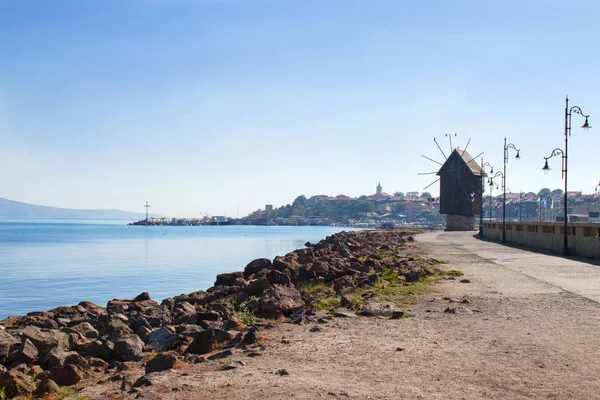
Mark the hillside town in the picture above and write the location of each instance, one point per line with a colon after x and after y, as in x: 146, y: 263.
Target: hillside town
x: 415, y: 209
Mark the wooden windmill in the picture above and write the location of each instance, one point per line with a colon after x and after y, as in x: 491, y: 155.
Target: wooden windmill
x: 461, y: 188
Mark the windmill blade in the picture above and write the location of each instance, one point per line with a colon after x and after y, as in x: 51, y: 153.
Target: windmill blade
x: 426, y: 173
x: 465, y: 149
x: 430, y: 159
x: 438, y: 146
x: 437, y: 180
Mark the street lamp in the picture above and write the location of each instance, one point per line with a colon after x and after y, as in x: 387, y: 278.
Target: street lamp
x: 517, y: 157
x: 483, y: 165
x: 565, y: 154
x: 491, y: 183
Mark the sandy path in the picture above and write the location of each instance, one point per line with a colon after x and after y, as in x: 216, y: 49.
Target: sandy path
x: 517, y: 338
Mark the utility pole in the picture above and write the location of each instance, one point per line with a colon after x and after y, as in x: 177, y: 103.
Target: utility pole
x: 147, y: 206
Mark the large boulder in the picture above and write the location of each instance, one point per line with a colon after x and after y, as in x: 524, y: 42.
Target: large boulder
x: 205, y: 342
x: 40, y: 321
x: 15, y: 383
x: 129, y: 348
x: 256, y: 265
x: 85, y: 329
x: 45, y: 340
x: 55, y: 358
x: 8, y: 343
x: 66, y: 375
x: 162, y: 339
x: 28, y: 353
x: 97, y: 349
x: 162, y: 362
x: 257, y: 286
x: 285, y: 299
x: 228, y: 279
x: 115, y: 329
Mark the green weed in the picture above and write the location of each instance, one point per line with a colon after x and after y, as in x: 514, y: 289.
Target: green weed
x: 454, y: 272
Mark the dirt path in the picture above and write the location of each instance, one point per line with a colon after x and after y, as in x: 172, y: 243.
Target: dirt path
x: 516, y: 338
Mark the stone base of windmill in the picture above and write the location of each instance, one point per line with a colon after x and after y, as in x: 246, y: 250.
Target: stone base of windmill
x: 460, y: 222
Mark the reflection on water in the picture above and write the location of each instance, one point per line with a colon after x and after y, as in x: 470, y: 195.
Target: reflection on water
x: 46, y: 264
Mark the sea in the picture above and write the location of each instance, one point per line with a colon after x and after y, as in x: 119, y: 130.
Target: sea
x: 49, y: 263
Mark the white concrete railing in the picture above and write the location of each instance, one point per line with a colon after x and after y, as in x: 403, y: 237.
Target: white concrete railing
x: 584, y: 238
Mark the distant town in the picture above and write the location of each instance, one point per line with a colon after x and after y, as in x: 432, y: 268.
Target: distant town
x: 398, y: 209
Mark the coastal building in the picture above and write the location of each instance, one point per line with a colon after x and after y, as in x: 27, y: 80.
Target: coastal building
x: 379, y: 193
x: 269, y: 207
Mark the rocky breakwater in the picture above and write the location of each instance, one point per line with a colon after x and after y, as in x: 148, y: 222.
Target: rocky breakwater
x: 355, y: 270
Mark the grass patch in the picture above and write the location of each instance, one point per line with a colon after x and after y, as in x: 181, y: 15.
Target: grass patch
x: 245, y: 317
x: 379, y: 256
x: 400, y: 294
x: 389, y: 275
x: 362, y: 259
x: 326, y: 303
x: 454, y: 272
x: 322, y: 296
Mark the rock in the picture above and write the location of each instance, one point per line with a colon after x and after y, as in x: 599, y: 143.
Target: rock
x: 465, y: 281
x: 257, y: 286
x: 343, y: 314
x: 2, y: 369
x: 97, y: 349
x: 85, y: 329
x: 28, y: 353
x: 450, y: 310
x: 144, y: 296
x: 230, y: 366
x: 125, y: 384
x: 220, y: 355
x: 35, y: 370
x: 115, y: 329
x: 161, y: 362
x: 55, y: 358
x: 315, y: 329
x: 278, y: 277
x: 228, y: 279
x: 97, y: 363
x: 397, y: 314
x: 40, y: 321
x: 204, y: 342
x: 8, y: 343
x: 285, y: 299
x: 257, y: 265
x: 129, y: 348
x: 66, y: 375
x: 282, y: 372
x: 412, y: 276
x: 15, y: 383
x: 45, y: 340
x: 251, y: 337
x: 144, y: 333
x: 372, y: 308
x: 207, y: 316
x: 77, y: 360
x: 398, y: 349
x: 146, y: 380
x: 162, y: 339
x: 48, y: 386
x: 19, y: 366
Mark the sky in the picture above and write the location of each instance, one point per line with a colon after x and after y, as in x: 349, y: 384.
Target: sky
x: 222, y: 106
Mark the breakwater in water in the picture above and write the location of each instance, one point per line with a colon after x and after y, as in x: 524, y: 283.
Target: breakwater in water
x: 67, y: 345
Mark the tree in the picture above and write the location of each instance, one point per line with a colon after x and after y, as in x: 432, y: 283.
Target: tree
x: 545, y: 192
x: 300, y: 201
x: 398, y: 194
x: 412, y: 194
x: 426, y: 195
x: 558, y: 191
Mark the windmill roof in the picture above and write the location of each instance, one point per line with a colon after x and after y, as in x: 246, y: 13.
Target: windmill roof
x: 466, y: 158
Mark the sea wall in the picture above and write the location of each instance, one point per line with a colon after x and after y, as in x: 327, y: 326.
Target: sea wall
x: 583, y: 238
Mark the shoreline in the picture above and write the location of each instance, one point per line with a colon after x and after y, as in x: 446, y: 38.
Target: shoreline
x: 347, y: 270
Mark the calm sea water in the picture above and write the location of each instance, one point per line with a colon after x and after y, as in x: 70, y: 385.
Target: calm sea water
x: 44, y: 264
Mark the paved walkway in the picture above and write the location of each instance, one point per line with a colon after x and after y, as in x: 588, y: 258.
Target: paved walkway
x: 578, y: 277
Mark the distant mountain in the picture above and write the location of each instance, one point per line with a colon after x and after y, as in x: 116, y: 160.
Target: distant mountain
x: 17, y: 209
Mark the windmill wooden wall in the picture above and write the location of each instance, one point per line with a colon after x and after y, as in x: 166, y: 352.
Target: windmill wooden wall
x: 460, y: 185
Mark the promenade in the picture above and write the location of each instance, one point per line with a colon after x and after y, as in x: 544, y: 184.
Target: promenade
x: 576, y: 275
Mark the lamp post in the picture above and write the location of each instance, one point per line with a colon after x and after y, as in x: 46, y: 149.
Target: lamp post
x: 517, y: 157
x: 483, y: 165
x: 520, y: 207
x: 491, y: 183
x: 565, y: 156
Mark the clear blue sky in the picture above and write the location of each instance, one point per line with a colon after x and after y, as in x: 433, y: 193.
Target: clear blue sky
x: 198, y: 106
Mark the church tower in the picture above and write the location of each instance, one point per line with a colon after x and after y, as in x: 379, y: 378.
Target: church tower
x: 379, y: 189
